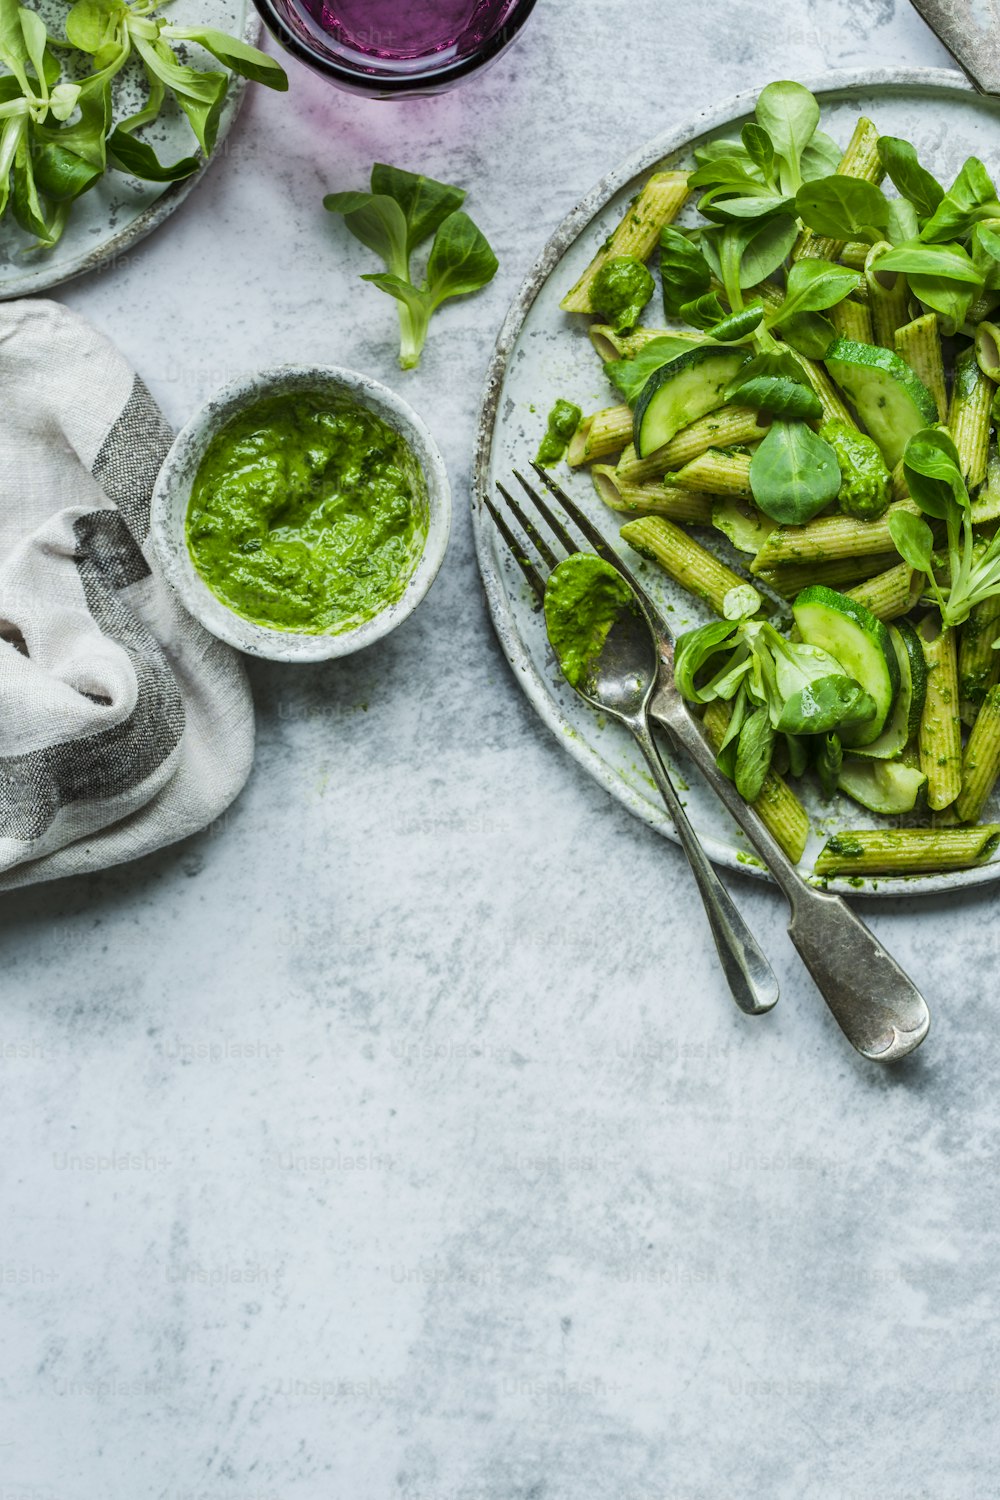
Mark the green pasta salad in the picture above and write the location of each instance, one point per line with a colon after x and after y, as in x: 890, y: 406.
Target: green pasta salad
x: 820, y: 388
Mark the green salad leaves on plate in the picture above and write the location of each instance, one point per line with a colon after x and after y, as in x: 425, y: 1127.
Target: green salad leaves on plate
x: 58, y: 135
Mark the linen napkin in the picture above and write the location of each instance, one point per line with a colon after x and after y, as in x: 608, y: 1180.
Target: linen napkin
x: 124, y: 725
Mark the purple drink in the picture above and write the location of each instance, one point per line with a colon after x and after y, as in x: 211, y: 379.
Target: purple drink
x: 397, y: 30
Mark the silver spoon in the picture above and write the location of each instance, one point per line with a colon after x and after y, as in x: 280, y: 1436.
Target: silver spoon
x: 620, y: 681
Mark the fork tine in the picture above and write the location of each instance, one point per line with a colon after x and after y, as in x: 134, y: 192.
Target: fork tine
x: 601, y: 547
x: 541, y: 545
x: 552, y: 521
x: 517, y: 551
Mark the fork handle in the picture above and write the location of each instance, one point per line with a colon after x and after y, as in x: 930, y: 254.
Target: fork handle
x: 876, y: 1005
x: 747, y: 971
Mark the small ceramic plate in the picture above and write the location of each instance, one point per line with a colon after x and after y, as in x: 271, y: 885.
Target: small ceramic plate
x: 543, y: 353
x: 119, y: 210
x: 173, y: 491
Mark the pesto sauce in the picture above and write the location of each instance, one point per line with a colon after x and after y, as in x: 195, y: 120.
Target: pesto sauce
x: 620, y: 291
x: 307, y: 513
x: 564, y: 419
x: 584, y: 596
x: 865, y: 482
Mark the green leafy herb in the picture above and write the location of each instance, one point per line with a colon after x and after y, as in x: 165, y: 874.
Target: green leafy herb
x: 757, y: 206
x: 56, y: 134
x: 236, y: 55
x: 844, y: 208
x: 825, y: 703
x: 814, y: 286
x: 762, y: 248
x: 903, y: 225
x: 704, y: 312
x: 971, y: 197
x: 821, y: 157
x: 913, y: 540
x: 934, y: 473
x: 810, y: 334
x: 951, y: 262
x: 793, y: 474
x: 738, y: 324
x: 694, y: 655
x: 684, y: 271
x: 378, y: 222
x: 736, y: 188
x: 944, y: 277
x: 773, y: 382
x: 915, y: 183
x: 742, y: 255
x: 753, y: 755
x: 776, y: 686
x: 934, y: 476
x: 392, y: 222
x: 425, y: 204
x: 789, y: 114
x: 760, y: 149
x: 985, y: 243
x: 139, y: 158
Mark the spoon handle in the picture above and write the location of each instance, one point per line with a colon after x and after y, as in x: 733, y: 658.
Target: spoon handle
x: 747, y: 971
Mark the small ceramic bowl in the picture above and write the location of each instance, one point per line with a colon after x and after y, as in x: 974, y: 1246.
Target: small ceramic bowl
x: 173, y: 491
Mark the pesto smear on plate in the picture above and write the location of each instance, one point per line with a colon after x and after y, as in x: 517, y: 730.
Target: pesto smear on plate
x: 564, y: 419
x: 584, y: 596
x: 307, y: 513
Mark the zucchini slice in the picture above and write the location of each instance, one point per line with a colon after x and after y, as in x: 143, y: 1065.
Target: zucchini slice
x: 889, y: 398
x: 741, y: 521
x: 677, y: 394
x: 904, y: 721
x: 883, y: 786
x: 862, y: 645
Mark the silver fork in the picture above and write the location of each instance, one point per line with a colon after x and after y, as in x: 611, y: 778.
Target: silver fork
x: 624, y: 680
x: 876, y: 1005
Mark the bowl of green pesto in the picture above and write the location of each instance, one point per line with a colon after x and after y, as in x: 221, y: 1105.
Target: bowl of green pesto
x: 303, y: 513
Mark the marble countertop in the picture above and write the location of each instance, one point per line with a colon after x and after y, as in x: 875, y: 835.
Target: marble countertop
x: 395, y: 1138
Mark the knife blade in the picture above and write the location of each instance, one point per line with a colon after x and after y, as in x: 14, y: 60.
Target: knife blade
x: 970, y: 29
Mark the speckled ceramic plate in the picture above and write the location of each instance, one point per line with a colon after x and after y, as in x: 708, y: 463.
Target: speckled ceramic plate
x: 543, y: 353
x: 120, y: 210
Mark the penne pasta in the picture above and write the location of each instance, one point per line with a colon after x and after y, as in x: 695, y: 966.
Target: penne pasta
x: 940, y: 726
x: 829, y: 537
x: 981, y: 760
x: 888, y: 298
x: 919, y: 343
x: 907, y: 851
x: 890, y: 594
x: 969, y: 416
x: 728, y: 427
x: 687, y: 562
x: 651, y: 499
x: 598, y: 435
x: 659, y: 203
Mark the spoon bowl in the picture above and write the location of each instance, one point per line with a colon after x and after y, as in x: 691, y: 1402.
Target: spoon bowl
x: 624, y: 672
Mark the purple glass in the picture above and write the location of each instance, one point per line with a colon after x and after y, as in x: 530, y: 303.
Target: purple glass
x: 395, y: 48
